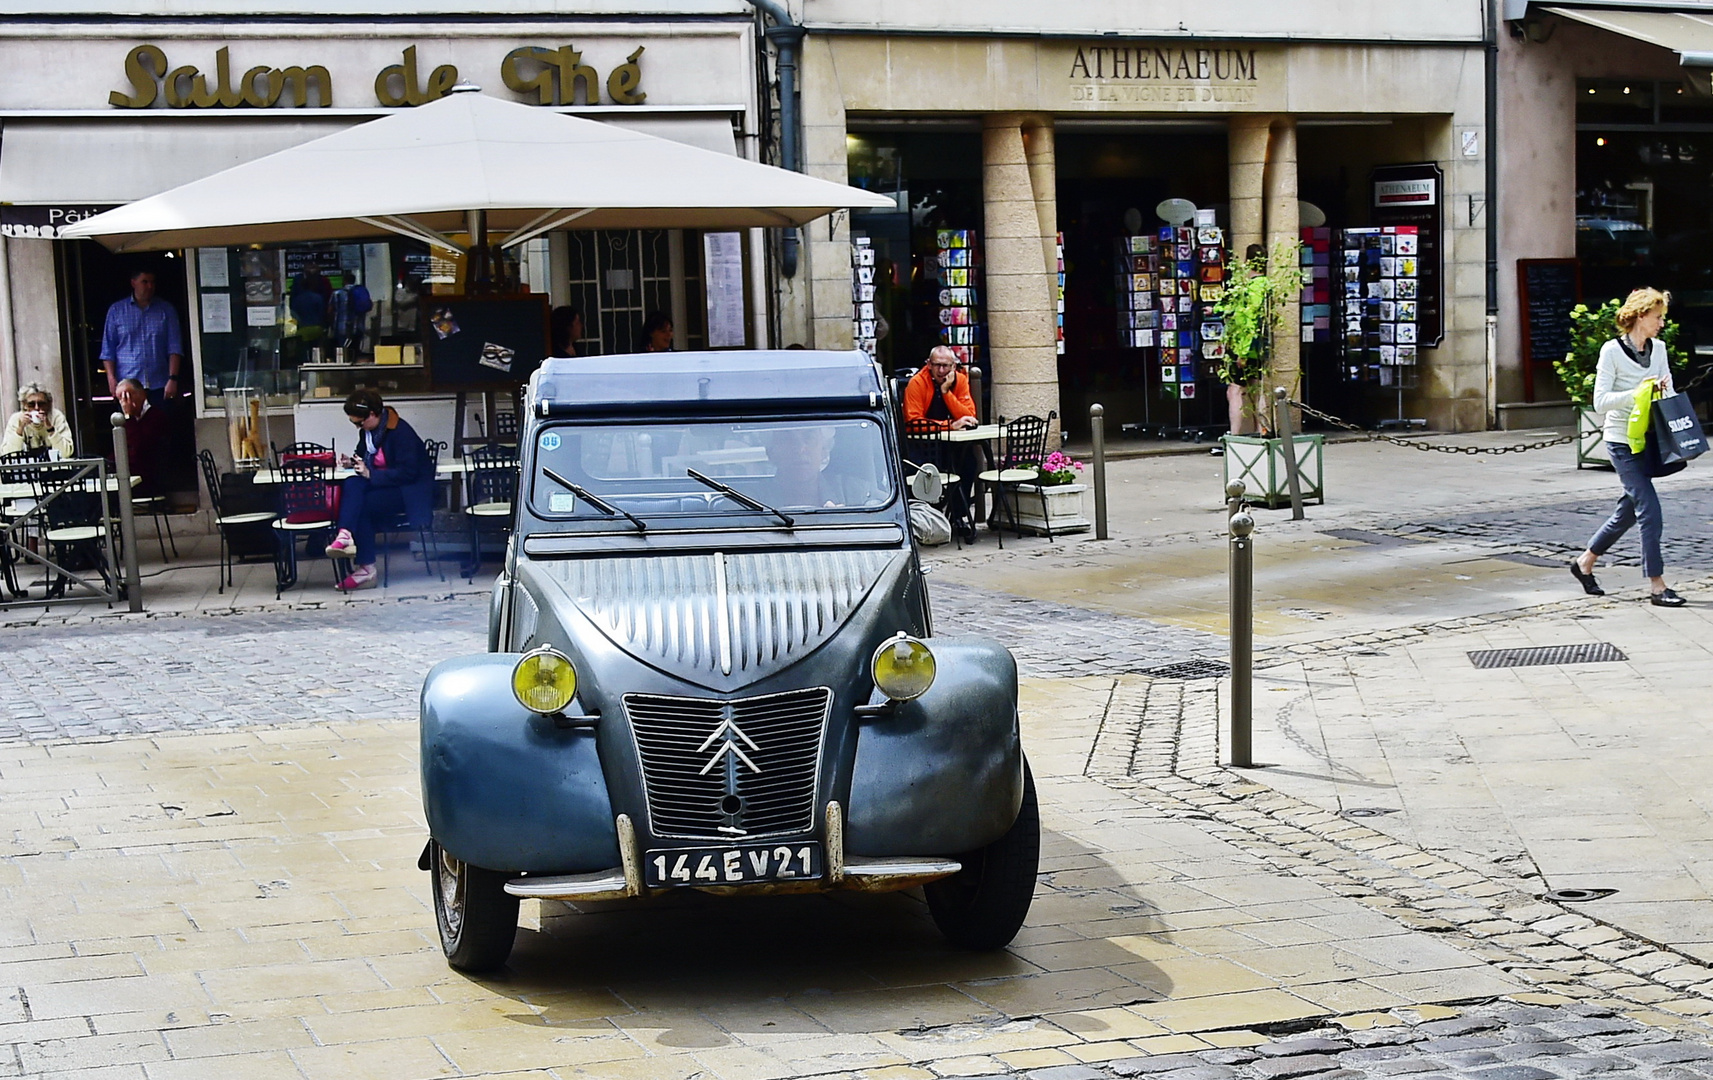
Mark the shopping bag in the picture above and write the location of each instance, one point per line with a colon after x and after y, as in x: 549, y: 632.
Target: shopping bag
x: 1677, y: 430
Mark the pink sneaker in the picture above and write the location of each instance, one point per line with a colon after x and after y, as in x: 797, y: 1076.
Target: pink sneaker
x: 363, y: 577
x: 342, y: 547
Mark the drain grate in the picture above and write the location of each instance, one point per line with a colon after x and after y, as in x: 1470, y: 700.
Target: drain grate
x: 1543, y: 655
x: 1578, y: 896
x: 1191, y: 669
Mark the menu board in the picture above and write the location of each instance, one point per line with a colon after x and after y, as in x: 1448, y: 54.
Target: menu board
x: 485, y: 342
x: 1546, y: 291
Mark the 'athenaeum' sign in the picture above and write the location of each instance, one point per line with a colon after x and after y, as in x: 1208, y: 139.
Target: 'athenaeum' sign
x: 1172, y: 76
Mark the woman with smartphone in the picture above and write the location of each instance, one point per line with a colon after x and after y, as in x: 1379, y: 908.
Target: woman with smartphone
x: 393, y: 487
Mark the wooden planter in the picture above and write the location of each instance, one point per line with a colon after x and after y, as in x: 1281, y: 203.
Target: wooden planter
x: 1051, y: 511
x: 1260, y: 464
x: 1591, y: 440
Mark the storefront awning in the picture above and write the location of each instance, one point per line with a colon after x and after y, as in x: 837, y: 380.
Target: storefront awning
x: 1689, y: 36
x: 70, y: 162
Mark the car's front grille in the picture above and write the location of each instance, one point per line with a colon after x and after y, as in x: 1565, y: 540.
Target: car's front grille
x: 699, y: 752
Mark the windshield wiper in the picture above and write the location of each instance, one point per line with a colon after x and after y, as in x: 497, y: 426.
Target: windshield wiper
x: 594, y: 500
x: 734, y: 494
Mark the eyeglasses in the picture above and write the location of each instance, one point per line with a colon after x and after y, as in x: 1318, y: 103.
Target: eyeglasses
x: 37, y: 404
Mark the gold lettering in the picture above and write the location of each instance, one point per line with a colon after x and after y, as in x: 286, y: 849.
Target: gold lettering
x: 301, y: 80
x: 541, y: 82
x: 572, y: 71
x: 253, y: 88
x: 143, y: 65
x: 623, y: 83
x: 1080, y: 64
x: 177, y: 98
x: 440, y: 80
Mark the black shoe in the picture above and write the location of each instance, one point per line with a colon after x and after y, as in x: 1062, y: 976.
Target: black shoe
x: 1589, y: 585
x: 1667, y: 599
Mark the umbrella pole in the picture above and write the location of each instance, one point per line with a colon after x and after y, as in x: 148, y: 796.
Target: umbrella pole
x: 481, y: 276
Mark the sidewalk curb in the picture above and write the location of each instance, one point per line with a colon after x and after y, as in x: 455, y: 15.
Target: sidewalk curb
x: 1153, y: 746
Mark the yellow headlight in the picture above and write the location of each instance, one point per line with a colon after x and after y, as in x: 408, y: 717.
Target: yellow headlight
x: 544, y: 681
x: 903, y: 668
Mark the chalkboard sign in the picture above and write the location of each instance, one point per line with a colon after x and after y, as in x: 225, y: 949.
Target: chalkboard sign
x: 483, y: 342
x: 1546, y: 291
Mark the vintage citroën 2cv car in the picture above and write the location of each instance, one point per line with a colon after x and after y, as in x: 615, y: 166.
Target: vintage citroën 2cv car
x: 711, y: 665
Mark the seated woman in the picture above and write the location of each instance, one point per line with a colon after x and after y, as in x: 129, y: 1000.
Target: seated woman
x: 393, y: 480
x: 37, y: 425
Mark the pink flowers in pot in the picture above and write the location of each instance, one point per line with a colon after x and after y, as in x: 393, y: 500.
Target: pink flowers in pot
x: 1058, y: 469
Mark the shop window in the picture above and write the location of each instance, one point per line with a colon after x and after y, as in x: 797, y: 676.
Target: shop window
x: 618, y: 278
x: 1615, y: 101
x: 264, y: 312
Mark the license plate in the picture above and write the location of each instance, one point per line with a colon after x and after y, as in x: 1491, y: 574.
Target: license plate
x: 741, y: 865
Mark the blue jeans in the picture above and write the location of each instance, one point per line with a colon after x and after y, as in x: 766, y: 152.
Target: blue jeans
x: 1639, y: 504
x: 362, y: 506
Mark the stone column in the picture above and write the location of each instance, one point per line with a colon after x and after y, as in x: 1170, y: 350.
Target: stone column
x: 1020, y: 337
x: 1038, y: 143
x: 1246, y: 163
x: 1282, y: 228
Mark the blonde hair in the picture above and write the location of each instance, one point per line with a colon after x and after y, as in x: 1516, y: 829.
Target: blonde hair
x: 1639, y: 303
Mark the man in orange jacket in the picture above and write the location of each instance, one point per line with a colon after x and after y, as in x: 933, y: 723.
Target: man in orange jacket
x: 940, y: 393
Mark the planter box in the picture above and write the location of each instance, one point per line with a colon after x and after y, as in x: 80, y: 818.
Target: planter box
x: 1052, y: 511
x: 1260, y: 464
x: 1591, y: 441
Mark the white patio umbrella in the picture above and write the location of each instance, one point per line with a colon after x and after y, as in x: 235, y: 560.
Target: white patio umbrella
x: 423, y: 172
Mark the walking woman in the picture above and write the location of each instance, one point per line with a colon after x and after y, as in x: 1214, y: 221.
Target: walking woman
x: 1635, y: 355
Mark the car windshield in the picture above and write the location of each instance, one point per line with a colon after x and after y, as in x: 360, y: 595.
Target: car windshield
x: 791, y: 465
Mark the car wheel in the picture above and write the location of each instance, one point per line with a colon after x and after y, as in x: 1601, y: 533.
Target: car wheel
x: 477, y: 917
x: 983, y: 905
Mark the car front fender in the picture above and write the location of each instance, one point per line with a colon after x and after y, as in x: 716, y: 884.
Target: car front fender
x: 504, y: 788
x: 942, y: 774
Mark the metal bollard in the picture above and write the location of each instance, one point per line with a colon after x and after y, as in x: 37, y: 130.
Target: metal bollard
x: 127, y: 514
x: 1097, y: 431
x: 1242, y: 638
x: 1234, y: 499
x: 1282, y: 421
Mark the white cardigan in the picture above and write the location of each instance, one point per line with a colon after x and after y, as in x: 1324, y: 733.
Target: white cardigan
x: 1615, y: 382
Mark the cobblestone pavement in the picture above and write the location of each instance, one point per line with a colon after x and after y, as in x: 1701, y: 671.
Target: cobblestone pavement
x: 367, y: 659
x: 147, y: 675
x: 1503, y: 1040
x: 1556, y: 531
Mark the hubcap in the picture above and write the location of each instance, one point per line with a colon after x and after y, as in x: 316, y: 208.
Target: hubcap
x: 451, y: 875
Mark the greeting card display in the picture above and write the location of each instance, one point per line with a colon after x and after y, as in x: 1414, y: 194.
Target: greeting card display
x: 1378, y: 307
x: 863, y: 321
x: 957, y: 262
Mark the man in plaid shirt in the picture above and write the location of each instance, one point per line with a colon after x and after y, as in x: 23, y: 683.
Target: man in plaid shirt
x: 142, y: 340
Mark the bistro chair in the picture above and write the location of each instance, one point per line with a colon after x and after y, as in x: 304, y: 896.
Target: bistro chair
x: 925, y: 443
x: 155, y: 506
x: 311, y: 452
x: 303, y: 512
x: 74, y: 526
x: 17, y: 475
x: 245, y: 527
x: 424, y: 529
x: 490, y: 487
x: 505, y: 428
x: 1023, y: 444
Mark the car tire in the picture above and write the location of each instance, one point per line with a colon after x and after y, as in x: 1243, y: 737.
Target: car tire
x: 476, y: 916
x: 983, y: 905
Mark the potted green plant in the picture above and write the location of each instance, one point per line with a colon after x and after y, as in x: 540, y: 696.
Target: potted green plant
x: 1252, y: 306
x: 1590, y: 330
x: 1053, y: 505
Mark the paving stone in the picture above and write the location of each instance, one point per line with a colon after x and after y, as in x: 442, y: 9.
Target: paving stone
x: 1230, y: 1055
x: 1603, y: 1024
x: 1523, y: 1050
x: 1410, y: 1066
x: 1458, y: 1025
x: 1201, y: 1072
x: 1512, y: 1072
x: 1469, y: 1059
x: 1306, y: 1045
x: 1592, y: 1064
x: 1066, y: 1072
x: 1462, y: 1042
x: 1284, y: 1068
x: 1384, y: 1036
x: 1665, y: 1053
x: 1146, y: 1066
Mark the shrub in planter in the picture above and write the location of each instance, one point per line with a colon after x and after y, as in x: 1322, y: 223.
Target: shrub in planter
x: 1058, y: 469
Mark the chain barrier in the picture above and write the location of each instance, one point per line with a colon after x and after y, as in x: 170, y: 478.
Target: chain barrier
x: 1417, y: 444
